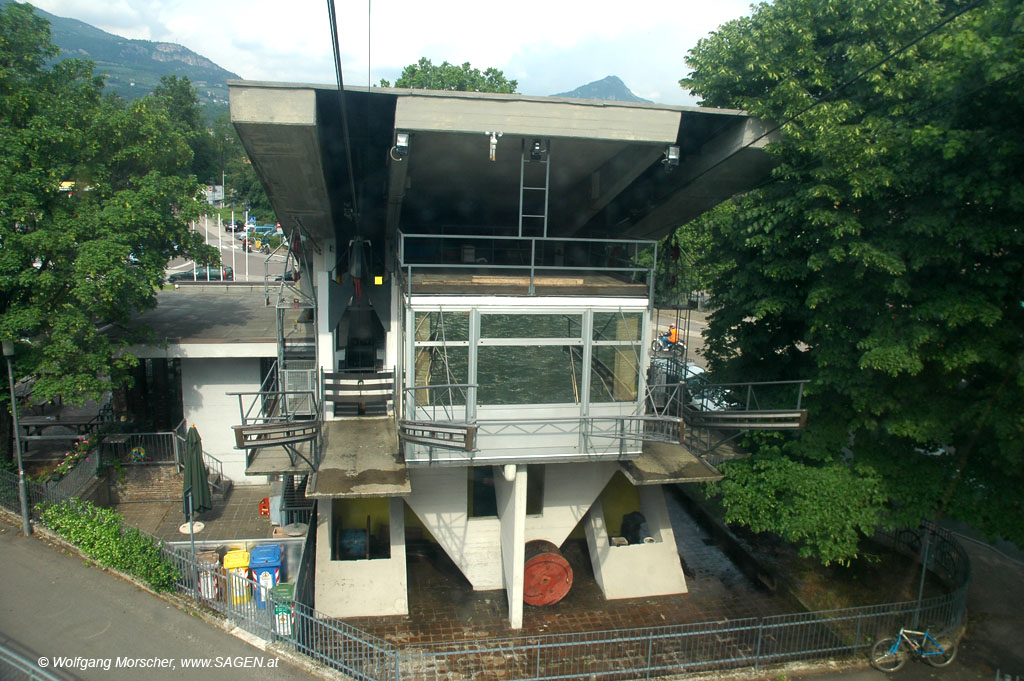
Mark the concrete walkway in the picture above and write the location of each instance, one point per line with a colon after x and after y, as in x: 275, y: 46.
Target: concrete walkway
x: 54, y: 604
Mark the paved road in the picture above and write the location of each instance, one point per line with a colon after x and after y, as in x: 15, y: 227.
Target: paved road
x: 246, y: 266
x: 54, y: 604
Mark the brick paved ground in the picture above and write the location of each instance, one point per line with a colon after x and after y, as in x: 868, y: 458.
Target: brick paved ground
x: 443, y: 606
x: 237, y: 517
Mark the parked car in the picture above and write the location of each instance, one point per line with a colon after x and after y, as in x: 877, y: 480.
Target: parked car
x: 702, y: 394
x: 200, y: 274
x: 264, y: 230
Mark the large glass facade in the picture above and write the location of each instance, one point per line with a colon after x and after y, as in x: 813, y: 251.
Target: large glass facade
x: 528, y: 326
x: 442, y: 326
x: 514, y: 374
x: 441, y: 366
x: 527, y: 358
x: 615, y: 356
x: 614, y: 373
x: 617, y: 326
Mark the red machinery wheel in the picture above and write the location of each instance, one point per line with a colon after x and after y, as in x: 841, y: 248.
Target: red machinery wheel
x: 548, y: 576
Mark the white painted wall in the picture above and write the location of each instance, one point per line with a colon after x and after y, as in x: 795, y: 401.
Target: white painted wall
x: 511, y: 497
x: 204, y: 383
x: 637, y: 570
x: 361, y: 588
x: 440, y: 500
x: 569, y: 490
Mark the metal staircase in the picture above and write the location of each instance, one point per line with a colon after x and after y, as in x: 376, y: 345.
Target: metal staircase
x: 710, y: 416
x: 285, y: 415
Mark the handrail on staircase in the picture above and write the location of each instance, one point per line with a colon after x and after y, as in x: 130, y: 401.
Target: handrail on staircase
x: 213, y: 464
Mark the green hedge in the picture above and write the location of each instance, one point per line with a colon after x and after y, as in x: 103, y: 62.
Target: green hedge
x: 101, y: 534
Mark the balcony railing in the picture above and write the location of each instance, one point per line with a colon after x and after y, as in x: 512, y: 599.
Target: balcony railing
x: 532, y: 257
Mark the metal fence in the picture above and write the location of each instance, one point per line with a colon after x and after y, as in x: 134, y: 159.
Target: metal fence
x: 590, y: 656
x: 15, y: 667
x: 76, y: 480
x: 254, y: 608
x: 751, y: 642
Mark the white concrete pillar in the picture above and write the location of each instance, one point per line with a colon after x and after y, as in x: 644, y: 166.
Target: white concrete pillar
x: 324, y: 335
x: 396, y: 511
x: 510, y: 490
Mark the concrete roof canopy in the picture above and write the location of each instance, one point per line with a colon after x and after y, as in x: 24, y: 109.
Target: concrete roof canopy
x: 607, y: 179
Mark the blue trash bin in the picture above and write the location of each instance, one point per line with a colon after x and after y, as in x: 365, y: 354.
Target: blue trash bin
x: 265, y: 564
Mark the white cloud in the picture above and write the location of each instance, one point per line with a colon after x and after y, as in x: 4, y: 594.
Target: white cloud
x: 548, y: 46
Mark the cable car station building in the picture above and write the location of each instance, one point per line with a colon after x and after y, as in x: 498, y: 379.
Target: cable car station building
x: 463, y: 357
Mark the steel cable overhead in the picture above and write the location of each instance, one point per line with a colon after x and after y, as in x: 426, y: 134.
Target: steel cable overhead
x: 336, y: 45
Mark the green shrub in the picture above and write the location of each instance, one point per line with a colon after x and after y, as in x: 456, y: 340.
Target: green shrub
x: 101, y: 534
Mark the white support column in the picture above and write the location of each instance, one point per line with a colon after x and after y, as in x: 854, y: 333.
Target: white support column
x: 325, y: 339
x: 396, y: 511
x: 510, y: 489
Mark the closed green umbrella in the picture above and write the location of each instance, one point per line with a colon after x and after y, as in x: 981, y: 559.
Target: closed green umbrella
x: 195, y: 472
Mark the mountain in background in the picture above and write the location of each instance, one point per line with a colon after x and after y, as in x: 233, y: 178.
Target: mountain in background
x: 609, y: 89
x: 132, y: 68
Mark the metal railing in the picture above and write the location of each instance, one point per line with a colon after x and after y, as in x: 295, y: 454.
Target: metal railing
x: 158, y: 448
x: 255, y: 609
x: 15, y: 667
x: 586, y: 656
x: 76, y: 480
x: 533, y: 256
x: 705, y: 646
x: 593, y: 437
x: 213, y: 465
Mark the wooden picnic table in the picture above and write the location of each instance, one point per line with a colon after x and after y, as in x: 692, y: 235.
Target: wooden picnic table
x: 33, y: 426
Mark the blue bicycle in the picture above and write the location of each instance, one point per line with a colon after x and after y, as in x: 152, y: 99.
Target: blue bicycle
x: 891, y: 653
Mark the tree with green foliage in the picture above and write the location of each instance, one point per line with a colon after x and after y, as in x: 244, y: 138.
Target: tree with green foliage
x: 424, y: 75
x: 95, y: 197
x: 243, y: 187
x: 884, y: 261
x: 181, y: 101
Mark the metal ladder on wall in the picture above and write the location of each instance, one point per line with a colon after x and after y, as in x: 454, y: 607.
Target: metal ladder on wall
x: 535, y: 160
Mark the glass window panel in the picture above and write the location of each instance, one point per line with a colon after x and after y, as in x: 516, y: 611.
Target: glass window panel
x: 442, y: 326
x: 529, y: 375
x: 531, y: 326
x: 617, y: 326
x: 483, y: 501
x: 535, y: 474
x: 615, y: 373
x: 441, y: 366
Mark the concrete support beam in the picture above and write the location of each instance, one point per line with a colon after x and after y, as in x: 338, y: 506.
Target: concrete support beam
x: 730, y: 163
x: 440, y: 500
x: 597, y: 190
x: 569, y: 490
x: 397, y: 176
x: 361, y: 588
x: 541, y: 117
x: 510, y: 490
x: 636, y: 570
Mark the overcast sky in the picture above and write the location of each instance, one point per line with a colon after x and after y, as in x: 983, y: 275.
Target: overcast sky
x: 549, y: 46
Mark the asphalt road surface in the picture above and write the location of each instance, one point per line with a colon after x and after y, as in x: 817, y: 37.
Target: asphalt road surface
x: 246, y: 266
x: 85, y: 624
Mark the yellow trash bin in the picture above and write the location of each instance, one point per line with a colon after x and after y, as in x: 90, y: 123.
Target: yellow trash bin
x: 236, y: 564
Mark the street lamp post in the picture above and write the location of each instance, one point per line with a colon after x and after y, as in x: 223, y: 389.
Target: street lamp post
x: 26, y: 526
